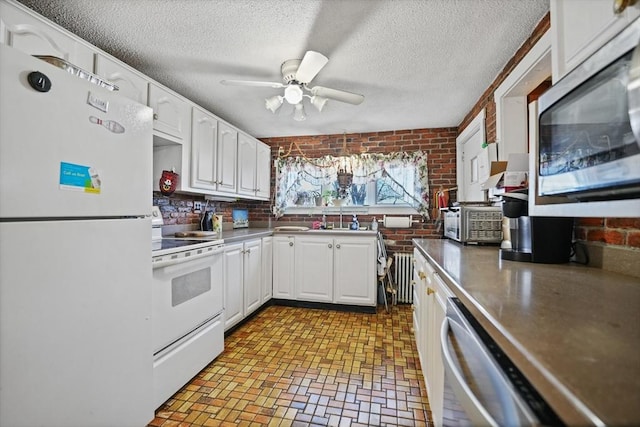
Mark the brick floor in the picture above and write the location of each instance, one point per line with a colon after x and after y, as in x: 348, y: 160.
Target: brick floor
x: 306, y: 367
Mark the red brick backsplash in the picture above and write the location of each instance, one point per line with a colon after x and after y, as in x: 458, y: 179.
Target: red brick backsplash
x: 610, y: 231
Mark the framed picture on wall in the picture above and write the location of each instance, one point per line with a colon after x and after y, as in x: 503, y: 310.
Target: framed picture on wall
x: 240, y: 218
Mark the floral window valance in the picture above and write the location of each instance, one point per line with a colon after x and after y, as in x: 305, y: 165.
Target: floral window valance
x: 403, y: 173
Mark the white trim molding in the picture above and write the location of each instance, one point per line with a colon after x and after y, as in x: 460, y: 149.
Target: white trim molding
x: 511, y: 98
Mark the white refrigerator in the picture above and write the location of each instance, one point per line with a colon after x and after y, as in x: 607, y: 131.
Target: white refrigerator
x: 75, y: 251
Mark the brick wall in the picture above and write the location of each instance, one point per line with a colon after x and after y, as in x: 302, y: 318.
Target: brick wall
x: 439, y: 144
x: 620, y: 232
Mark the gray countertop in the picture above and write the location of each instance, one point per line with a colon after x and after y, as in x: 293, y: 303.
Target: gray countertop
x: 240, y: 234
x: 573, y: 331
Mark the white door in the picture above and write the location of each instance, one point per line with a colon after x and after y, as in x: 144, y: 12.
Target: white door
x: 263, y: 170
x: 185, y: 295
x: 267, y: 268
x: 252, y: 270
x: 23, y: 31
x: 314, y: 269
x: 171, y: 114
x: 247, y: 165
x: 233, y: 284
x: 75, y: 311
x: 355, y: 285
x: 283, y: 267
x: 62, y: 154
x: 473, y: 166
x: 130, y: 84
x: 227, y: 158
x: 204, y: 146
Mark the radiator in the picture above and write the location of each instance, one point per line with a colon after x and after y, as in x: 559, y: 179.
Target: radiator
x: 403, y: 276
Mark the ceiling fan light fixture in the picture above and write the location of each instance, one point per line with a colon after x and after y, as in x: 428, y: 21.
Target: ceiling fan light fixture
x: 319, y: 102
x: 293, y: 94
x: 273, y: 103
x: 299, y: 114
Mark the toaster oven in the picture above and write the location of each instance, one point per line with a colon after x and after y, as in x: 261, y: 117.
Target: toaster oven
x: 473, y: 224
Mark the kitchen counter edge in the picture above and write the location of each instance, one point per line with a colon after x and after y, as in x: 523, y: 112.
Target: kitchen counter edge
x: 515, y: 335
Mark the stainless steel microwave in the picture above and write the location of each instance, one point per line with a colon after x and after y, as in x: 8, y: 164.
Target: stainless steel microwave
x: 589, y: 126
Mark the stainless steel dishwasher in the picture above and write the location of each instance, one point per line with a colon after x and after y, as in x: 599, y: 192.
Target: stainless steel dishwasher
x: 484, y: 382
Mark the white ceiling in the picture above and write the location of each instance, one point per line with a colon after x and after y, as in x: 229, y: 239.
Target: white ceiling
x: 419, y: 63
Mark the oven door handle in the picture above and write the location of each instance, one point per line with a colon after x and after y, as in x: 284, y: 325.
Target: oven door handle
x: 633, y: 93
x: 173, y: 261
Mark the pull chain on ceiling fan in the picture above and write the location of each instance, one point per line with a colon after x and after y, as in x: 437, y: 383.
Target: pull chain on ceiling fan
x: 296, y: 75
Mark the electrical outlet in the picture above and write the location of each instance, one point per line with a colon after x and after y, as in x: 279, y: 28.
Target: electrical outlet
x: 197, y: 206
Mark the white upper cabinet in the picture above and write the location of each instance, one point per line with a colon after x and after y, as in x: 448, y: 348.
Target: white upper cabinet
x: 247, y: 165
x: 204, y: 147
x: 171, y: 114
x: 579, y: 28
x: 227, y: 162
x: 130, y: 83
x: 263, y: 170
x: 35, y: 35
x: 254, y: 167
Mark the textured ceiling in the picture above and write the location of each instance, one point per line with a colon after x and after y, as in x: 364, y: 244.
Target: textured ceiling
x: 419, y: 63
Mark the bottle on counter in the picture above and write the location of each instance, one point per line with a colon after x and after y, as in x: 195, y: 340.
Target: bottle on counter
x: 354, y: 222
x: 374, y: 224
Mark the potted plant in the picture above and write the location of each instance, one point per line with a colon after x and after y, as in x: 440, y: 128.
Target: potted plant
x: 328, y: 196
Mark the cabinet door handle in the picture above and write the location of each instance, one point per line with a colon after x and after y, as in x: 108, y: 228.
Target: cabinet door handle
x: 413, y: 283
x: 155, y: 116
x: 248, y: 251
x: 337, y: 246
x: 430, y: 291
x: 422, y: 275
x: 330, y: 245
x: 290, y: 243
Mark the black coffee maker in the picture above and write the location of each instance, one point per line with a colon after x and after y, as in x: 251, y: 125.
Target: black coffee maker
x: 537, y: 239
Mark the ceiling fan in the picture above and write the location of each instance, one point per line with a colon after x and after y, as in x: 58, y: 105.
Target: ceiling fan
x: 296, y: 75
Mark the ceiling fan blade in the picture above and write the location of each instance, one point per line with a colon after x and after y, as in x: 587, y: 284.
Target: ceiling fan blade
x: 310, y: 66
x: 251, y: 83
x: 338, y: 95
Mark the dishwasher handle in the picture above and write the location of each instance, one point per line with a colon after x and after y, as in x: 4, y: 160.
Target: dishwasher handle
x: 474, y: 409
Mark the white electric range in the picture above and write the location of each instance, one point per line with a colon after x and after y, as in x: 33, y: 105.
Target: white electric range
x: 188, y: 310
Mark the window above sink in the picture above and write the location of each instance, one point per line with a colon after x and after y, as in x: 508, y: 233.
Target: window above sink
x: 371, y: 183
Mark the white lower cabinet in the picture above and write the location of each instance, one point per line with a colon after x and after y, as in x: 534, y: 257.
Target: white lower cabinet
x: 252, y: 274
x: 354, y: 271
x: 243, y: 277
x: 429, y: 305
x: 283, y: 267
x: 233, y: 289
x: 267, y: 269
x: 332, y: 269
x: 314, y: 269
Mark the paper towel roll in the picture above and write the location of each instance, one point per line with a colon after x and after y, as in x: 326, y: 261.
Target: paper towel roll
x: 397, y: 221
